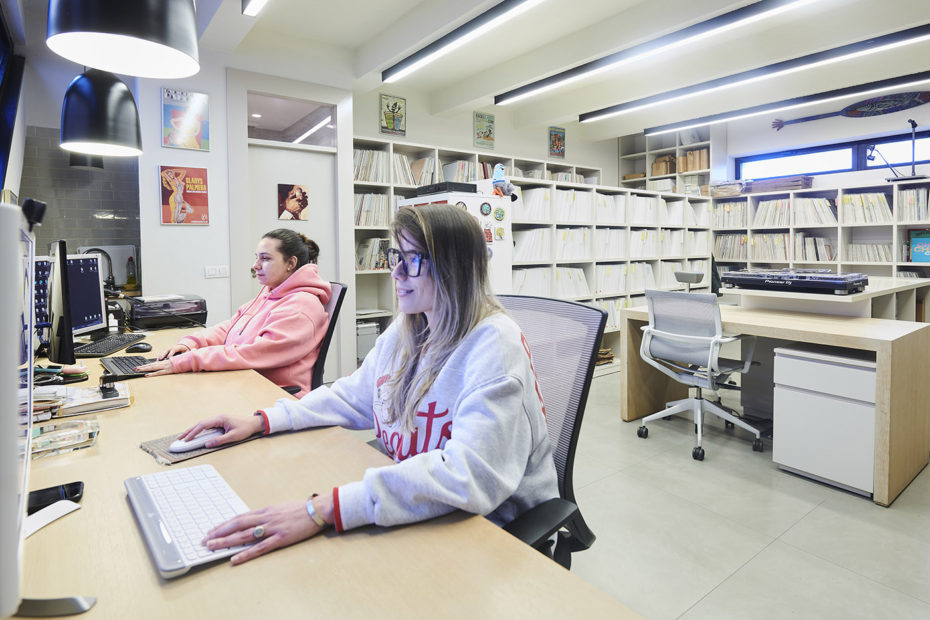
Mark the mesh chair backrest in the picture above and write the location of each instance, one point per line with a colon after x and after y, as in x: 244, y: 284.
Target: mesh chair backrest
x: 563, y: 337
x: 332, y: 307
x: 688, y: 314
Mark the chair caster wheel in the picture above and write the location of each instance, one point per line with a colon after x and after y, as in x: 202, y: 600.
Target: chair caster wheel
x: 727, y: 424
x: 642, y: 431
x: 698, y: 454
x: 757, y: 445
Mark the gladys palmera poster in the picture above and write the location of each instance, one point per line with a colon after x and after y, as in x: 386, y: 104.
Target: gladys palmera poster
x: 185, y: 119
x: 184, y: 195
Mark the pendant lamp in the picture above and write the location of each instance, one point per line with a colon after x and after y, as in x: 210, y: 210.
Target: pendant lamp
x: 99, y: 116
x: 85, y: 162
x: 144, y: 38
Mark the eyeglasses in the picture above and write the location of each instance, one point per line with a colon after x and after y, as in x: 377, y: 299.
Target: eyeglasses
x: 411, y: 261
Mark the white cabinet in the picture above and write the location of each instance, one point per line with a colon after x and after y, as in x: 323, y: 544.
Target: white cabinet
x: 824, y: 418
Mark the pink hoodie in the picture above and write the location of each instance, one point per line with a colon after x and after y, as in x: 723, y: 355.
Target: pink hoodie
x: 278, y: 334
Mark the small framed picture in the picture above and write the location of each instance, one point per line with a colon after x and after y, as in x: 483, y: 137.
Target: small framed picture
x: 557, y: 142
x: 393, y: 115
x: 185, y: 120
x: 293, y: 202
x: 484, y: 130
x: 184, y: 195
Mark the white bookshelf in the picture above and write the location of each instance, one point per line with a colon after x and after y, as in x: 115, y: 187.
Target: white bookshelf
x: 691, y: 171
x: 854, y: 229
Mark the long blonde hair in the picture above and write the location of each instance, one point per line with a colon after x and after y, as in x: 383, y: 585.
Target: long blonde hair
x: 458, y: 264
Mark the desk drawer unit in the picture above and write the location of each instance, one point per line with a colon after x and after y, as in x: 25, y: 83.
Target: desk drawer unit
x: 824, y: 418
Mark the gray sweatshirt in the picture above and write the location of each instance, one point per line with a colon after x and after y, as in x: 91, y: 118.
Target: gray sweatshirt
x: 479, y: 443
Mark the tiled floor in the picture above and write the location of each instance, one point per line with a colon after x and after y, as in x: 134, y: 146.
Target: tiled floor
x: 733, y: 536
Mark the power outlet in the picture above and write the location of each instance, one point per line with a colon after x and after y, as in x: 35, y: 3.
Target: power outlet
x: 216, y: 271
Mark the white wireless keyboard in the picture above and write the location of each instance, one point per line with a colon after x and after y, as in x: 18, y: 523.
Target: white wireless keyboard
x: 176, y: 508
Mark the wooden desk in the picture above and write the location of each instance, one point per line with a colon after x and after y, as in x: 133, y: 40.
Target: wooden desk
x: 455, y: 566
x: 902, y: 353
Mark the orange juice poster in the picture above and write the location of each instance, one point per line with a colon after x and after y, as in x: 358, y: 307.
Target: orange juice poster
x: 184, y: 195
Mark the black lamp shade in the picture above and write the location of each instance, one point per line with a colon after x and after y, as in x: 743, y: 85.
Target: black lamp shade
x: 145, y: 38
x: 88, y: 162
x: 99, y: 116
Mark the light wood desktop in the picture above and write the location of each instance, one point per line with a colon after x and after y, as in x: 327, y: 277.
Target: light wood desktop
x: 902, y: 352
x: 455, y: 566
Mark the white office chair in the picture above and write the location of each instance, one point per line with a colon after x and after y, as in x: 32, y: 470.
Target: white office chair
x: 683, y: 340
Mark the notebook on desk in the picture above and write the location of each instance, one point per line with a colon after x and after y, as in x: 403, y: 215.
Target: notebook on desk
x: 176, y: 508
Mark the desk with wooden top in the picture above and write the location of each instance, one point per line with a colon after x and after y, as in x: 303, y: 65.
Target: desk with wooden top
x: 454, y: 566
x: 902, y: 355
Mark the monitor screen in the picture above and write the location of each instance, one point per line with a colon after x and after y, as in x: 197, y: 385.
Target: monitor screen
x: 16, y: 362
x: 85, y: 288
x: 85, y: 283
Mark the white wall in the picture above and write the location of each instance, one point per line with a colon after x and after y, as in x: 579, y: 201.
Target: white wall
x: 455, y: 132
x: 14, y: 164
x: 173, y: 257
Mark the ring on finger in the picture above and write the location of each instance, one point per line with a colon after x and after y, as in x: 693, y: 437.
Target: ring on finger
x: 258, y: 532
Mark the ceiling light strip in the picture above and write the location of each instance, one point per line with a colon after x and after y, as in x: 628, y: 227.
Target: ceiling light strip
x: 484, y: 23
x: 253, y: 7
x: 711, y: 27
x: 838, y: 54
x: 870, y: 88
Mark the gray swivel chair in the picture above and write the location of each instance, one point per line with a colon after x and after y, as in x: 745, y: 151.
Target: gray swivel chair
x: 563, y: 337
x: 683, y: 340
x: 332, y: 307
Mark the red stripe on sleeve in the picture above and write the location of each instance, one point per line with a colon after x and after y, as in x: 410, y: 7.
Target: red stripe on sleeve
x: 337, y: 517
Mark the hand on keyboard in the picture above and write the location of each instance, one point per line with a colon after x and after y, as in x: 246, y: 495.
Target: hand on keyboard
x: 158, y: 367
x: 282, y: 525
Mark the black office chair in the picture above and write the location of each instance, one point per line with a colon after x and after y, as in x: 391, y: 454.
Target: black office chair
x: 332, y: 307
x: 563, y: 337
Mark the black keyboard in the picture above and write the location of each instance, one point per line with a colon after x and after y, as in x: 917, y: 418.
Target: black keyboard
x: 110, y: 343
x: 125, y: 364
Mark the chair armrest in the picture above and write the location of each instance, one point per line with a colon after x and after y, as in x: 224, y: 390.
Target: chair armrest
x: 537, y: 524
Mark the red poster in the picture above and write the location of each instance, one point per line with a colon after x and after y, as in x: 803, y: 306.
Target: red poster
x: 184, y: 195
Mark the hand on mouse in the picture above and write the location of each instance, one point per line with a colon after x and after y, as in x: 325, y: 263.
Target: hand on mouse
x: 235, y: 429
x: 156, y: 368
x: 175, y: 350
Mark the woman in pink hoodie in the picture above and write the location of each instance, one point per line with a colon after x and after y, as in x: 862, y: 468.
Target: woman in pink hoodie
x: 278, y: 333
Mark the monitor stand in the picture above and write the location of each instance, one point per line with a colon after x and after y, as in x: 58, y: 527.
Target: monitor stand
x: 48, y: 607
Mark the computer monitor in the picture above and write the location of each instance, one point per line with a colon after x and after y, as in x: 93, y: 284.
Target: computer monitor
x: 84, y: 300
x: 16, y: 363
x: 60, y: 338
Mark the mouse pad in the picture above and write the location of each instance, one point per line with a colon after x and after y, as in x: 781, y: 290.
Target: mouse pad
x: 158, y: 448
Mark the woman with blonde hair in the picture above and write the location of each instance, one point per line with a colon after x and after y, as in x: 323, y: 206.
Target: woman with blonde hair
x: 449, y: 389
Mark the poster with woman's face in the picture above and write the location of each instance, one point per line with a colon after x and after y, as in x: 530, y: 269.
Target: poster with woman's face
x: 293, y: 202
x: 184, y: 195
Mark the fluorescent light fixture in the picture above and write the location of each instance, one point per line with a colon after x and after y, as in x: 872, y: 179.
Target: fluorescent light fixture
x: 819, y: 59
x: 313, y: 130
x: 861, y: 90
x: 686, y: 36
x: 484, y: 23
x: 148, y: 40
x: 256, y: 115
x: 253, y: 7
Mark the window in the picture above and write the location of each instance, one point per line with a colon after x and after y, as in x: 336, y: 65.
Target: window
x: 829, y: 158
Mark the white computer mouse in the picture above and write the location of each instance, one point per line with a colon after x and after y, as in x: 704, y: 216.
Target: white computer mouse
x: 196, y: 442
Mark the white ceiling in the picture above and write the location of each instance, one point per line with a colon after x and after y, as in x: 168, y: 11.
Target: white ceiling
x: 356, y: 39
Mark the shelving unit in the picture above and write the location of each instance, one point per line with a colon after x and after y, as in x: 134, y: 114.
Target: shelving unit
x: 861, y: 229
x: 689, y: 154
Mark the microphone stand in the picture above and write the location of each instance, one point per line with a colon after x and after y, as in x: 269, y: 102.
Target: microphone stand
x: 914, y: 176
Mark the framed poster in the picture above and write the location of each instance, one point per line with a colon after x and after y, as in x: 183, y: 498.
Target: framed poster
x: 484, y: 130
x: 393, y: 115
x: 557, y: 142
x: 185, y: 120
x: 184, y: 195
x: 293, y: 202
